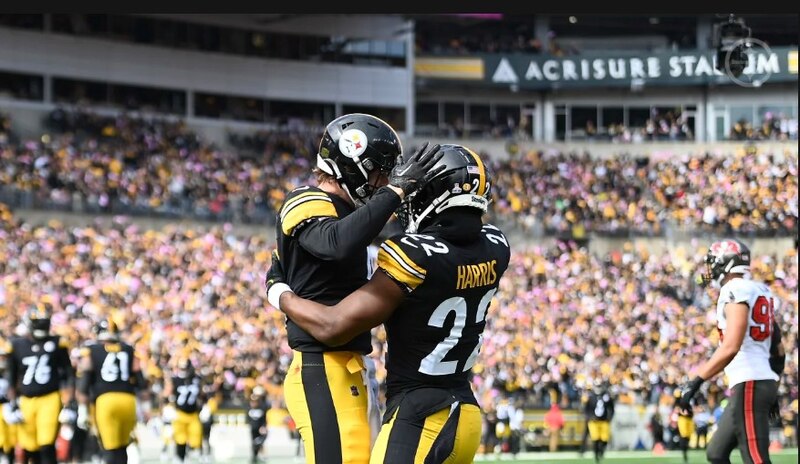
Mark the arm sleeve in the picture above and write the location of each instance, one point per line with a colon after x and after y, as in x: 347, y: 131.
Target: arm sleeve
x: 11, y: 371
x: 777, y: 360
x: 334, y: 239
x: 67, y: 371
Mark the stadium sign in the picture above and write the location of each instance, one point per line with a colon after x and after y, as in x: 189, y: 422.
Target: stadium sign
x: 619, y: 69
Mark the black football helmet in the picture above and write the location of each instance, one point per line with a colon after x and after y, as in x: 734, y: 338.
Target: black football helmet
x: 353, y: 146
x: 106, y: 329
x: 463, y: 182
x: 725, y: 257
x: 37, y: 320
x: 185, y: 368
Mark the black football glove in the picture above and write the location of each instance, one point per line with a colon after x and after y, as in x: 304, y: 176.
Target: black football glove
x: 775, y: 413
x: 688, y: 391
x: 275, y: 281
x: 411, y: 175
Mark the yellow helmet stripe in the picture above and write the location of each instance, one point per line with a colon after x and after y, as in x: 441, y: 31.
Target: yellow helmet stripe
x: 481, y: 172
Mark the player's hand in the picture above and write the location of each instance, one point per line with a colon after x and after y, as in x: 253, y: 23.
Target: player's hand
x: 688, y: 391
x: 12, y: 413
x: 775, y: 413
x: 82, y: 419
x: 412, y: 174
x: 275, y: 281
x: 66, y: 416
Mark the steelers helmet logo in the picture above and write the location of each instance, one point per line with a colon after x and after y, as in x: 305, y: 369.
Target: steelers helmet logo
x: 353, y: 143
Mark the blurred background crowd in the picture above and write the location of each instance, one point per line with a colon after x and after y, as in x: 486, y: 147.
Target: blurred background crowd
x: 104, y: 164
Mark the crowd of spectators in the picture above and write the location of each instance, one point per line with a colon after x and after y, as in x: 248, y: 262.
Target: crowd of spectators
x: 749, y: 193
x: 562, y: 316
x: 773, y: 127
x: 118, y: 164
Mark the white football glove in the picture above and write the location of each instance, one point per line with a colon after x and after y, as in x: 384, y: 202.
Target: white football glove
x: 12, y: 413
x: 67, y: 416
x: 82, y: 421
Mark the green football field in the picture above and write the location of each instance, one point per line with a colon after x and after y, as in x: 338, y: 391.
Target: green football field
x: 787, y: 456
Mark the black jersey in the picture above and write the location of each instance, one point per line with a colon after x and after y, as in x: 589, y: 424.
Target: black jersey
x: 434, y: 336
x: 187, y: 394
x: 600, y: 406
x: 112, y: 367
x: 38, y: 367
x: 325, y: 263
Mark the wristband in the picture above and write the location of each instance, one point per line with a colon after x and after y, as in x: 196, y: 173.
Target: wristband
x: 274, y: 294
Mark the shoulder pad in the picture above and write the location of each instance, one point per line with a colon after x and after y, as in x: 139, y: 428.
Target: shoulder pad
x: 494, y: 235
x: 403, y: 260
x: 736, y: 291
x: 303, y: 204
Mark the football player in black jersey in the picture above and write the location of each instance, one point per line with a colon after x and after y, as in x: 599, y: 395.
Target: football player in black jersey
x: 432, y: 292
x: 8, y: 427
x: 184, y: 390
x: 600, y: 409
x: 41, y: 374
x: 322, y: 237
x: 684, y: 418
x: 109, y: 376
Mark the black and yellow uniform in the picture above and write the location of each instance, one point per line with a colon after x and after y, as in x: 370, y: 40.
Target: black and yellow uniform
x: 322, y: 241
x: 8, y: 432
x: 37, y: 369
x: 686, y: 424
x: 186, y: 427
x: 600, y: 410
x: 450, y: 272
x: 111, y: 384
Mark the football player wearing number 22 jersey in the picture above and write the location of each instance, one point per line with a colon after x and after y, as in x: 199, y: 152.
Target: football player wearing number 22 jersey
x: 432, y: 293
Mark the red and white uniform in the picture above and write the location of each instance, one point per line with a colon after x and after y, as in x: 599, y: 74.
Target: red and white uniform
x: 752, y: 360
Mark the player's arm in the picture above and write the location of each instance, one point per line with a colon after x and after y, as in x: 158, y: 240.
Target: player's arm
x: 168, y: 389
x: 141, y: 386
x: 736, y: 315
x: 365, y: 308
x: 777, y: 353
x: 334, y: 238
x: 67, y: 372
x: 12, y: 373
x: 84, y: 376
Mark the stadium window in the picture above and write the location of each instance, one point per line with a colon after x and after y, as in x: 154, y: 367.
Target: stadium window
x: 148, y: 99
x: 208, y: 105
x: 122, y: 27
x: 427, y: 118
x: 454, y: 119
x: 506, y: 119
x: 561, y: 122
x: 637, y: 117
x: 21, y: 86
x: 23, y: 21
x: 234, y: 41
x: 583, y: 122
x: 611, y: 118
x: 742, y: 120
x: 286, y: 112
x: 244, y: 109
x: 480, y: 119
x: 395, y: 117
x: 79, y: 91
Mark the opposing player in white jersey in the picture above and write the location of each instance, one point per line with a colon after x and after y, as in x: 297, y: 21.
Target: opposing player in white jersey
x: 750, y: 352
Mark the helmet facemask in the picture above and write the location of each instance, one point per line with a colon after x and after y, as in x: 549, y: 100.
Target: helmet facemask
x: 450, y: 188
